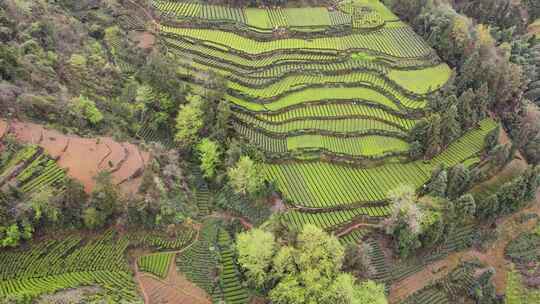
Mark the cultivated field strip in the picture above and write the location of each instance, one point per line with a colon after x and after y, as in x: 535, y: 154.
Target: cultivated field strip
x: 332, y: 219
x: 323, y: 185
x: 330, y: 111
x: 385, y: 41
x: 71, y: 262
x: 368, y: 146
x: 309, y: 95
x: 338, y: 125
x: 213, y: 55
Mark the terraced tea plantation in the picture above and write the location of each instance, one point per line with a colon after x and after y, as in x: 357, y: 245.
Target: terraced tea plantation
x: 28, y: 170
x: 329, y: 95
x: 71, y: 262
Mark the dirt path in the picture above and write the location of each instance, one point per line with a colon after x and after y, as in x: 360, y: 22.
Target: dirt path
x: 494, y: 256
x: 175, y: 288
x: 84, y: 158
x: 246, y: 223
x: 354, y: 226
x: 3, y: 128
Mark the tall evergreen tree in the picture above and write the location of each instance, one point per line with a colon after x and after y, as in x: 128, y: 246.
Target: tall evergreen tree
x: 450, y: 126
x: 433, y: 135
x: 467, y: 113
x: 458, y: 181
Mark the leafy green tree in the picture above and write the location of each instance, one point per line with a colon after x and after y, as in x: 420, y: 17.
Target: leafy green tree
x: 465, y: 207
x: 305, y: 271
x: 370, y: 292
x: 439, y: 184
x: 11, y: 236
x: 209, y: 155
x: 190, y: 121
x: 492, y: 138
x: 86, y: 108
x: 404, y: 222
x: 92, y: 218
x: 256, y: 249
x: 488, y: 207
x: 104, y: 202
x: 246, y: 177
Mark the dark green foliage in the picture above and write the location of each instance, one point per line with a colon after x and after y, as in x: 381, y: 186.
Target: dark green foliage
x: 465, y: 207
x: 525, y: 248
x: 491, y: 140
x: 510, y: 197
x: 458, y: 181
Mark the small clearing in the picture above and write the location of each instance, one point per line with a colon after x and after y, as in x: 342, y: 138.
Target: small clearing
x: 72, y: 296
x: 174, y: 289
x: 146, y: 40
x: 84, y: 158
x: 3, y: 128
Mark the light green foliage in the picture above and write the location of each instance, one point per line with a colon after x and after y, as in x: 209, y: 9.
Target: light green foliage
x: 309, y: 272
x: 190, y: 120
x: 78, y: 62
x: 256, y: 249
x: 209, y: 155
x: 302, y: 182
x: 86, y: 108
x: 156, y: 263
x: 72, y: 261
x: 424, y: 80
x: 246, y: 177
x: 516, y: 292
x: 370, y: 293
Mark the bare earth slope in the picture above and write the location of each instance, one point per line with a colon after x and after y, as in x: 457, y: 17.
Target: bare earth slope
x: 84, y: 158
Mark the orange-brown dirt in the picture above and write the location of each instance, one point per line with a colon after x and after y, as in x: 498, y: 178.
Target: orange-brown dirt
x: 494, y: 256
x: 84, y: 158
x: 3, y: 128
x: 175, y: 288
x: 146, y: 40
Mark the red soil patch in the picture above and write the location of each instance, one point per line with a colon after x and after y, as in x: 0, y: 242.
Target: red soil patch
x: 174, y: 289
x: 84, y: 158
x: 3, y: 128
x: 146, y: 40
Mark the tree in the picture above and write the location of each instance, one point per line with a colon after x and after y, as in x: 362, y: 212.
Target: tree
x: 450, y: 127
x: 370, y: 293
x: 467, y: 113
x: 86, y: 108
x: 492, y: 138
x: 404, y: 222
x: 305, y: 271
x: 246, y: 177
x: 255, y: 251
x: 458, y: 181
x: 433, y: 135
x: 92, y: 218
x: 103, y: 203
x: 190, y: 121
x: 439, y: 184
x: 209, y: 156
x: 465, y: 207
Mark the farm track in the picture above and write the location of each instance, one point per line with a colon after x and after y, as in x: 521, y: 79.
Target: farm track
x: 84, y: 158
x: 493, y: 256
